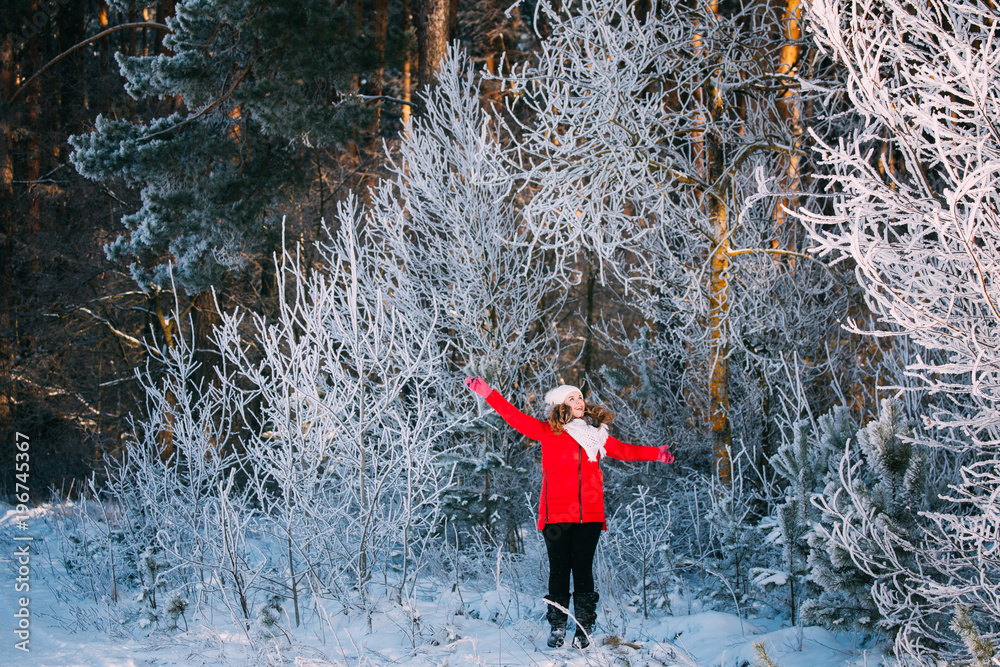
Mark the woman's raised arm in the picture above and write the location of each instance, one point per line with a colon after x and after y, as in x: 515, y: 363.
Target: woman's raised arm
x: 623, y: 451
x: 527, y: 426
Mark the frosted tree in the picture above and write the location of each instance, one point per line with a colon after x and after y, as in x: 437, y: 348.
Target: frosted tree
x: 736, y: 541
x: 918, y: 176
x: 650, y: 130
x: 179, y: 451
x: 843, y: 589
x: 641, y: 548
x: 981, y: 649
x: 174, y: 485
x: 802, y: 466
x: 320, y: 431
x: 867, y: 545
x: 248, y: 90
x: 916, y: 215
x: 962, y: 572
x: 344, y: 462
x: 448, y: 218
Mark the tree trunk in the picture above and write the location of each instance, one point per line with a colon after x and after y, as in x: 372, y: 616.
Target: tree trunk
x: 164, y: 9
x: 714, y: 166
x: 407, y: 68
x: 380, y: 26
x: 7, y: 347
x: 103, y: 22
x: 452, y: 20
x: 791, y: 112
x: 432, y: 38
x: 718, y: 326
x: 71, y: 74
x: 587, y: 354
x: 33, y: 164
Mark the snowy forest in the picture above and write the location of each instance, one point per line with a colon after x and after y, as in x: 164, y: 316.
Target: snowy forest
x: 251, y: 251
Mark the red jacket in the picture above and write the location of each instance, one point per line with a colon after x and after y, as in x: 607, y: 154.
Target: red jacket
x: 572, y: 484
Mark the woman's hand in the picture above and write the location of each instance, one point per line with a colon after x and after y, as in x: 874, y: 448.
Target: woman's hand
x: 478, y: 385
x: 665, y: 456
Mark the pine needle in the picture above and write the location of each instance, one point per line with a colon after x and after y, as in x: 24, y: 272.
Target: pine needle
x: 981, y: 650
x: 763, y: 659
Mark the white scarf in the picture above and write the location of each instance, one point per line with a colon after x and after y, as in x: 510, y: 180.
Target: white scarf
x: 590, y: 438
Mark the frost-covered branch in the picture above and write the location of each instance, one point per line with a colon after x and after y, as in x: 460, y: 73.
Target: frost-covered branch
x: 917, y: 210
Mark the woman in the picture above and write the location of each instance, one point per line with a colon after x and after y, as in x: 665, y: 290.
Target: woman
x: 571, y: 507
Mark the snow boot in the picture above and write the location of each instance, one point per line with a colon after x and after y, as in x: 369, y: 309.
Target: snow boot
x: 585, y: 607
x: 557, y: 620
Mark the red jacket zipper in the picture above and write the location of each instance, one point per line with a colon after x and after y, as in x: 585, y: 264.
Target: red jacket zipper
x: 579, y: 480
x: 545, y: 494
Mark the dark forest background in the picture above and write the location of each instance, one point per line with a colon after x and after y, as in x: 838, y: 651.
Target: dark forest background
x: 71, y: 319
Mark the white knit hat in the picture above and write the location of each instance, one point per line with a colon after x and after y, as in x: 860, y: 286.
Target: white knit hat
x: 559, y: 394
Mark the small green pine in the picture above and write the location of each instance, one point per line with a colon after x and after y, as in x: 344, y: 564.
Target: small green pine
x: 763, y: 659
x: 981, y: 650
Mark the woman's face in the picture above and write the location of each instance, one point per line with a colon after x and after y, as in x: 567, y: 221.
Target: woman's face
x: 576, y: 404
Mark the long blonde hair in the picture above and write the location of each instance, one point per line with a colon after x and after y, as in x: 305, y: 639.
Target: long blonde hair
x: 562, y: 414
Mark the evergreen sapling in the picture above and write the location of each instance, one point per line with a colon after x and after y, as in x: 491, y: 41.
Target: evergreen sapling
x: 803, y: 466
x: 865, y: 548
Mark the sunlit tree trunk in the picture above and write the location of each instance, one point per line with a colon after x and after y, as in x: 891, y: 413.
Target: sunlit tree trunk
x: 718, y: 300
x: 168, y: 327
x: 102, y: 22
x: 791, y: 113
x: 407, y: 66
x: 713, y: 167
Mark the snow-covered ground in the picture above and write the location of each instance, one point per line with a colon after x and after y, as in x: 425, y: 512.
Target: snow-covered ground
x: 447, y: 627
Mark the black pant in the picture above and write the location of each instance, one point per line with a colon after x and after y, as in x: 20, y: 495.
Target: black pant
x: 571, y: 548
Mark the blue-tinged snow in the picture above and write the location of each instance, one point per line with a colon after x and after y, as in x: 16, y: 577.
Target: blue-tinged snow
x: 443, y: 624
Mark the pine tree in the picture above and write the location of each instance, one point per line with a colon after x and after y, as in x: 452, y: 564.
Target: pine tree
x: 269, y: 616
x: 803, y: 468
x: 803, y: 464
x: 736, y: 536
x: 981, y: 649
x: 868, y: 535
x: 176, y: 605
x: 259, y: 87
